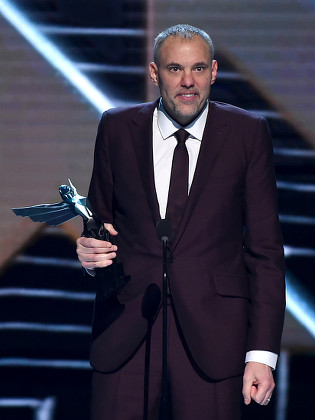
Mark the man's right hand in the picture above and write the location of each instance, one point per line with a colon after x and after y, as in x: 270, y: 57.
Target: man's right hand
x: 94, y: 253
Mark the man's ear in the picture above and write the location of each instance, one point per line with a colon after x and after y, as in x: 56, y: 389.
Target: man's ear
x: 154, y: 73
x: 214, y: 71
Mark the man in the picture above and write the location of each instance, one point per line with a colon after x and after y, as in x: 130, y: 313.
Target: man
x: 226, y: 269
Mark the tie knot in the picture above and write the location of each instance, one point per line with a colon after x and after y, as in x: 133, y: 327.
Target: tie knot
x: 181, y: 136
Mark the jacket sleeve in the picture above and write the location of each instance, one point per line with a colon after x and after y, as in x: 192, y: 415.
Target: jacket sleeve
x: 101, y: 186
x: 263, y: 246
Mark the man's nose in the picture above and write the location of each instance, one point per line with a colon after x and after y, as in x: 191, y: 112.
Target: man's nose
x: 187, y: 79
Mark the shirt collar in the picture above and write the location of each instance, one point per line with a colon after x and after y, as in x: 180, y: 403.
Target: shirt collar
x: 168, y: 126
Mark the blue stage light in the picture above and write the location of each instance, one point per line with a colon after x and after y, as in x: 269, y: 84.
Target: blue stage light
x: 300, y: 305
x: 55, y: 57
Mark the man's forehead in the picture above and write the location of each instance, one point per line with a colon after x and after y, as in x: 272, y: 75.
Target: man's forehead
x: 200, y: 48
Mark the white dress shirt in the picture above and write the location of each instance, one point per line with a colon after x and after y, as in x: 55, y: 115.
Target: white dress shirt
x: 164, y: 143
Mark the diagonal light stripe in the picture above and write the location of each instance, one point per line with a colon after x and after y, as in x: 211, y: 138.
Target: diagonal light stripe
x: 44, y: 363
x: 292, y: 251
x: 20, y: 402
x: 295, y: 186
x: 44, y: 409
x: 47, y: 293
x: 53, y: 328
x: 59, y: 262
x: 299, y: 220
x: 71, y: 30
x: 300, y: 304
x: 55, y: 57
x: 304, y: 153
x: 108, y: 68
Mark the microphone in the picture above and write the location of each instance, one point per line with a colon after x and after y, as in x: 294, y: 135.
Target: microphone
x: 164, y: 230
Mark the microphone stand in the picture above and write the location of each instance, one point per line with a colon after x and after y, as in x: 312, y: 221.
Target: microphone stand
x: 164, y: 352
x: 149, y: 308
x: 164, y: 231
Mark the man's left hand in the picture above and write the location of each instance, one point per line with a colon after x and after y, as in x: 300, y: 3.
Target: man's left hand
x: 258, y: 383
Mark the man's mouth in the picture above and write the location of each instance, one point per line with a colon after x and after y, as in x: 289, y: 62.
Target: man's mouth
x: 187, y: 95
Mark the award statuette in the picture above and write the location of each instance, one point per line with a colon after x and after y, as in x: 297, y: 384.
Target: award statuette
x: 110, y: 279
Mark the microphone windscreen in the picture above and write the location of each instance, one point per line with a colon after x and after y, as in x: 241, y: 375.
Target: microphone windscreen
x: 164, y: 230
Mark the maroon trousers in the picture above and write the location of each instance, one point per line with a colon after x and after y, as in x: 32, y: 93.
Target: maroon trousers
x: 119, y: 395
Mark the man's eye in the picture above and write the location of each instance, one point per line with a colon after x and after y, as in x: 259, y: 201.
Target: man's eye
x: 199, y: 68
x: 174, y: 69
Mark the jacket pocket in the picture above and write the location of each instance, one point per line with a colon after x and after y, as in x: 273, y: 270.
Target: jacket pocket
x: 231, y: 286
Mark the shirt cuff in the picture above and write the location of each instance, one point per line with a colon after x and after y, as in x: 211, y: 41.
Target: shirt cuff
x: 262, y: 356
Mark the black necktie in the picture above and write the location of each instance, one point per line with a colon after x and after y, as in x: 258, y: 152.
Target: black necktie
x: 178, y: 191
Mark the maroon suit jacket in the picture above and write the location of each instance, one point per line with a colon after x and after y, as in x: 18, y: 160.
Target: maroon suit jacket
x: 226, y: 261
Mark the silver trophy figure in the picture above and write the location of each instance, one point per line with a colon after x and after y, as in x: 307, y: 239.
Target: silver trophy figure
x: 72, y: 205
x: 110, y: 279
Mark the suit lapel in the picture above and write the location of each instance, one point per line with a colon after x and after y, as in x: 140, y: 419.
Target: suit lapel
x: 141, y: 131
x: 212, y: 143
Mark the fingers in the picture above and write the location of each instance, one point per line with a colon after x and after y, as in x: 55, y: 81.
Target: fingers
x: 267, y: 397
x: 261, y: 393
x: 94, y: 253
x: 111, y: 229
x: 247, y: 390
x: 258, y: 383
x: 91, y: 245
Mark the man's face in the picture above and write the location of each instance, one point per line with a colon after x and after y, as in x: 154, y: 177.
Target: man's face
x: 184, y: 76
